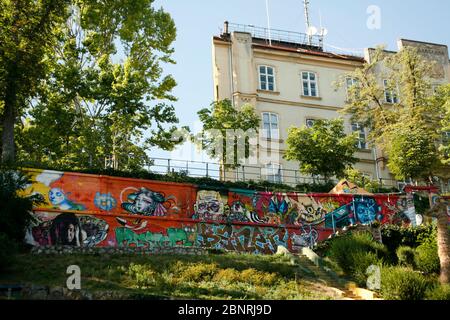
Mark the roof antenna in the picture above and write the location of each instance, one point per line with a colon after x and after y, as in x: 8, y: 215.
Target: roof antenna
x: 308, y: 25
x: 323, y: 31
x: 268, y: 22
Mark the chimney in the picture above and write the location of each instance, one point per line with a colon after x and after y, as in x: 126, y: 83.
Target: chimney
x: 225, y: 27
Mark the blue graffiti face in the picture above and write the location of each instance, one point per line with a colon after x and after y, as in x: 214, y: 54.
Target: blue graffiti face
x: 105, y: 201
x: 366, y: 210
x: 56, y: 196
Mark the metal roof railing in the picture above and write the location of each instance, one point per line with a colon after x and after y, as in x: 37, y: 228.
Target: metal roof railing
x: 278, y: 35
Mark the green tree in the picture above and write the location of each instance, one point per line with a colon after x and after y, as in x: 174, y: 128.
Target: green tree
x: 28, y: 34
x: 410, y: 129
x: 324, y: 149
x: 106, y: 89
x: 227, y: 131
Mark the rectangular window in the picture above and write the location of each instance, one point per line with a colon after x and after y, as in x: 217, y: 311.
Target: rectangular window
x: 270, y: 125
x: 273, y: 173
x: 390, y: 96
x: 362, y: 144
x: 309, y: 84
x: 266, y: 78
x: 350, y: 82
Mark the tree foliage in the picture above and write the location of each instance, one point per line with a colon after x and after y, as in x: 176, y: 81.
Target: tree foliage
x: 324, y: 149
x: 409, y: 130
x: 27, y: 37
x: 227, y: 131
x: 105, y: 89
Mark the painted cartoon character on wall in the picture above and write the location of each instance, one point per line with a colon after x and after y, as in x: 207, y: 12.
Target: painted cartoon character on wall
x: 209, y: 206
x: 60, y: 200
x: 146, y: 202
x: 241, y: 212
x: 366, y: 210
x: 66, y: 230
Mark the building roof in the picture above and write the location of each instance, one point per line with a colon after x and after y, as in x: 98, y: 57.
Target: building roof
x: 293, y: 47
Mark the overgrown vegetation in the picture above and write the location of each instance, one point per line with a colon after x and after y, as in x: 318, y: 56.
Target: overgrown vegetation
x: 225, y: 276
x: 14, y: 212
x: 408, y: 259
x: 398, y: 283
x: 355, y: 252
x: 395, y: 236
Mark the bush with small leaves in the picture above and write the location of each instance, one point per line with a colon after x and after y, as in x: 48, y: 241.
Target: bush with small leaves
x: 405, y: 256
x: 439, y: 292
x: 343, y: 250
x: 399, y: 283
x: 362, y: 261
x: 427, y: 258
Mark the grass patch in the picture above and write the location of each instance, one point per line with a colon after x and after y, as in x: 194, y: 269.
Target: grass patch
x: 223, y: 276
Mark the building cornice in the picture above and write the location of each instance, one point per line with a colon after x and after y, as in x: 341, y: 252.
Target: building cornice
x: 298, y: 104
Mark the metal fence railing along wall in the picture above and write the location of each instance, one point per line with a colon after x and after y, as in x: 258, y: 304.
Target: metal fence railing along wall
x: 243, y: 173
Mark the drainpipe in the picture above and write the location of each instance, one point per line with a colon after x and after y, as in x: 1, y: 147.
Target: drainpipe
x: 230, y: 54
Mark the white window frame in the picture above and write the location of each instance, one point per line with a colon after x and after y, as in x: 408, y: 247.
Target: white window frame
x: 393, y: 94
x: 274, y: 172
x: 309, y: 82
x: 356, y: 127
x: 269, y: 134
x: 267, y: 76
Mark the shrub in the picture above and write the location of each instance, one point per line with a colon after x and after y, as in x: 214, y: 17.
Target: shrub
x: 142, y: 275
x: 427, y: 258
x: 344, y: 249
x: 405, y: 256
x: 14, y: 208
x: 198, y: 272
x: 256, y: 277
x: 395, y: 236
x: 362, y: 261
x: 439, y: 292
x: 399, y: 283
x: 7, y: 250
x: 227, y: 275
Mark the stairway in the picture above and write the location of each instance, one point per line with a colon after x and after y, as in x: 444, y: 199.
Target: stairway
x: 327, y: 278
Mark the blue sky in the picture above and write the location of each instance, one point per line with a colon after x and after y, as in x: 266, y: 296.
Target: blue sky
x: 198, y: 21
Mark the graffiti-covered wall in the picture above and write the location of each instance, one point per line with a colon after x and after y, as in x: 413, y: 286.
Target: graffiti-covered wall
x: 91, y: 210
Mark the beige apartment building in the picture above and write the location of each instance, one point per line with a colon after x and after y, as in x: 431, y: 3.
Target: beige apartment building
x: 291, y: 81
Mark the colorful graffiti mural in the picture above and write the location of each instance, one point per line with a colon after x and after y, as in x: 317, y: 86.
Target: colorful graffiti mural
x: 90, y: 210
x: 66, y: 229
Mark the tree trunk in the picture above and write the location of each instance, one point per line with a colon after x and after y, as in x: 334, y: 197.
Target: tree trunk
x: 9, y: 118
x: 439, y: 211
x: 443, y: 247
